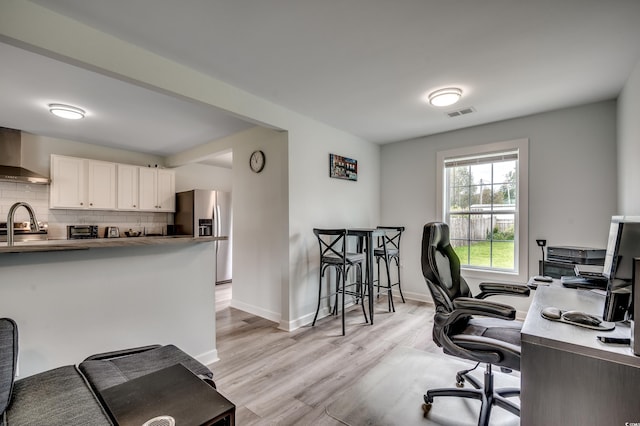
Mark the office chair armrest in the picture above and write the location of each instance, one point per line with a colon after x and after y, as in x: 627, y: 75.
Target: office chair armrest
x: 465, y: 307
x: 469, y: 306
x: 493, y: 289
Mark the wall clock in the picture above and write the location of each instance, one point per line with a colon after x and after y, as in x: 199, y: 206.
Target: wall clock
x: 256, y: 161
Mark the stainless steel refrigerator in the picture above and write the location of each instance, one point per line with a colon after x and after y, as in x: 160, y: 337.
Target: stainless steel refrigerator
x: 204, y: 213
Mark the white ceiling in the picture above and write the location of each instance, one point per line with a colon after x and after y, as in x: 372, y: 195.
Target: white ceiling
x: 359, y: 65
x: 119, y: 114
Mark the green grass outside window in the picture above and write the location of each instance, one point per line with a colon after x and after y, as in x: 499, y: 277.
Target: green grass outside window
x: 480, y: 254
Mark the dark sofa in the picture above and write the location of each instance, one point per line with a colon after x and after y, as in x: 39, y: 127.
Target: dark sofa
x: 70, y: 395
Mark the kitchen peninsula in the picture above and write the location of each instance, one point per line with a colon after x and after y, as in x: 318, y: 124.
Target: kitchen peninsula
x: 86, y: 244
x: 75, y: 298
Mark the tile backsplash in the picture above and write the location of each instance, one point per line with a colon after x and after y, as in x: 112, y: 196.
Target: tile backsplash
x: 37, y: 196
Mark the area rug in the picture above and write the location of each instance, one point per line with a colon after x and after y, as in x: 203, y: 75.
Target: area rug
x: 391, y: 393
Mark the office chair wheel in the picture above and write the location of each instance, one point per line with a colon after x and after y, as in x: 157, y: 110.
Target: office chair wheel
x: 426, y: 408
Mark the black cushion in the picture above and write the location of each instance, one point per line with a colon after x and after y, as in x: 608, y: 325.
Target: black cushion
x: 104, y: 373
x: 351, y: 258
x: 55, y: 397
x: 492, y: 335
x: 8, y: 360
x: 390, y: 252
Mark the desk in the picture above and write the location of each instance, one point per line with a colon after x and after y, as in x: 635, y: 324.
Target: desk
x: 368, y: 234
x: 568, y: 377
x: 174, y: 391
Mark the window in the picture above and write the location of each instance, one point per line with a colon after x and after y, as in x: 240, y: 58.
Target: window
x: 483, y: 193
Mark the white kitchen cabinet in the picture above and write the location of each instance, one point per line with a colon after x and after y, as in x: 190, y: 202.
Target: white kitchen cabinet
x: 67, y: 188
x: 128, y: 187
x: 101, y: 187
x: 157, y: 189
x: 77, y: 183
x: 166, y: 190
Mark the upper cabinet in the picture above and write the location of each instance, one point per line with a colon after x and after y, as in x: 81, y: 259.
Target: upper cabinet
x: 166, y: 190
x: 128, y: 187
x: 101, y: 185
x: 67, y: 188
x: 157, y: 189
x: 78, y: 183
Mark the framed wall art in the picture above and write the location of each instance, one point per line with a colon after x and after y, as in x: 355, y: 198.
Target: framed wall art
x: 343, y: 167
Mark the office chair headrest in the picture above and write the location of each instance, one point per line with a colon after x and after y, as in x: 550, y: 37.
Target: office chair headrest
x: 441, y: 266
x: 439, y: 234
x: 435, y: 236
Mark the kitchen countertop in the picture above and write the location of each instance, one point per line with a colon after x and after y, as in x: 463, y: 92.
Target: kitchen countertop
x: 92, y: 243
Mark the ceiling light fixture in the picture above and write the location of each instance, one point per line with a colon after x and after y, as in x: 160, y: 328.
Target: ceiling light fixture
x: 66, y: 111
x: 445, y: 97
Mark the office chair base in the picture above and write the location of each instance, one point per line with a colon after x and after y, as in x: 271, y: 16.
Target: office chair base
x: 486, y: 394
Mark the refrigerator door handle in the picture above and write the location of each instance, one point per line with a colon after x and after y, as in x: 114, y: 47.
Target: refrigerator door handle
x: 218, y: 224
x: 216, y: 231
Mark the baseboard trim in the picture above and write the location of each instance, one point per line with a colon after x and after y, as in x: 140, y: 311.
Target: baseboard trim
x: 208, y: 358
x: 308, y: 318
x: 254, y: 310
x: 304, y: 320
x: 419, y: 297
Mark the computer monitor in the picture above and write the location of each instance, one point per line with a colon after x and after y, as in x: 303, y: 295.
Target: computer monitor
x: 622, y: 247
x: 635, y: 290
x: 612, y: 248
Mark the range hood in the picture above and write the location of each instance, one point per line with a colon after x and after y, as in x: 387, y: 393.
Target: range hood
x: 11, y: 169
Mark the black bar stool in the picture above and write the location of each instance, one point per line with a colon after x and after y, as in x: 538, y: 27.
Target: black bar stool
x: 388, y: 250
x: 334, y: 254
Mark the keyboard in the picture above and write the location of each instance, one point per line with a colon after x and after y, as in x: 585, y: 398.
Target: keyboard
x: 582, y: 282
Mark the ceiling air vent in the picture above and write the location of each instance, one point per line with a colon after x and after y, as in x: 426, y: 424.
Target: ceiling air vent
x: 459, y: 112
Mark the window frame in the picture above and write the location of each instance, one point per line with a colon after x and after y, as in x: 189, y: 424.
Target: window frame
x: 521, y: 225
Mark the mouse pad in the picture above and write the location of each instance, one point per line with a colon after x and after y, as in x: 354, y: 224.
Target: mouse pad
x: 555, y: 314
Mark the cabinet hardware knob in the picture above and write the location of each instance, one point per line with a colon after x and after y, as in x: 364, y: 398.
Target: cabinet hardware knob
x: 82, y: 204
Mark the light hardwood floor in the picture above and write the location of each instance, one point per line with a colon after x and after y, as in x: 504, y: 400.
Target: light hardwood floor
x: 287, y: 378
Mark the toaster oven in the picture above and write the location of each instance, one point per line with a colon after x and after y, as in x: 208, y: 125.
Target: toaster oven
x: 82, y: 231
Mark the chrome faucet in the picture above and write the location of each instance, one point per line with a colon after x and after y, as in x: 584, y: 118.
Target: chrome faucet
x: 10, y: 218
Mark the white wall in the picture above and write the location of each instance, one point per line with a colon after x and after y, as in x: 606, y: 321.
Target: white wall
x: 36, y: 151
x: 260, y: 223
x: 203, y: 176
x: 317, y: 201
x: 572, y: 182
x: 629, y: 146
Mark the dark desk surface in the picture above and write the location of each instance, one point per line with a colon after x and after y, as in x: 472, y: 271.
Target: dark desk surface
x: 174, y: 391
x: 540, y: 331
x: 569, y: 377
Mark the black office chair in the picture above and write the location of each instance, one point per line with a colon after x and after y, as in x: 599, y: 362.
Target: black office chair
x: 8, y: 362
x: 387, y: 251
x: 334, y: 254
x: 457, y: 330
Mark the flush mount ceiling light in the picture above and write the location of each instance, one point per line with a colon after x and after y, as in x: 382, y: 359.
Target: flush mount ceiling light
x: 66, y: 111
x: 445, y: 97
